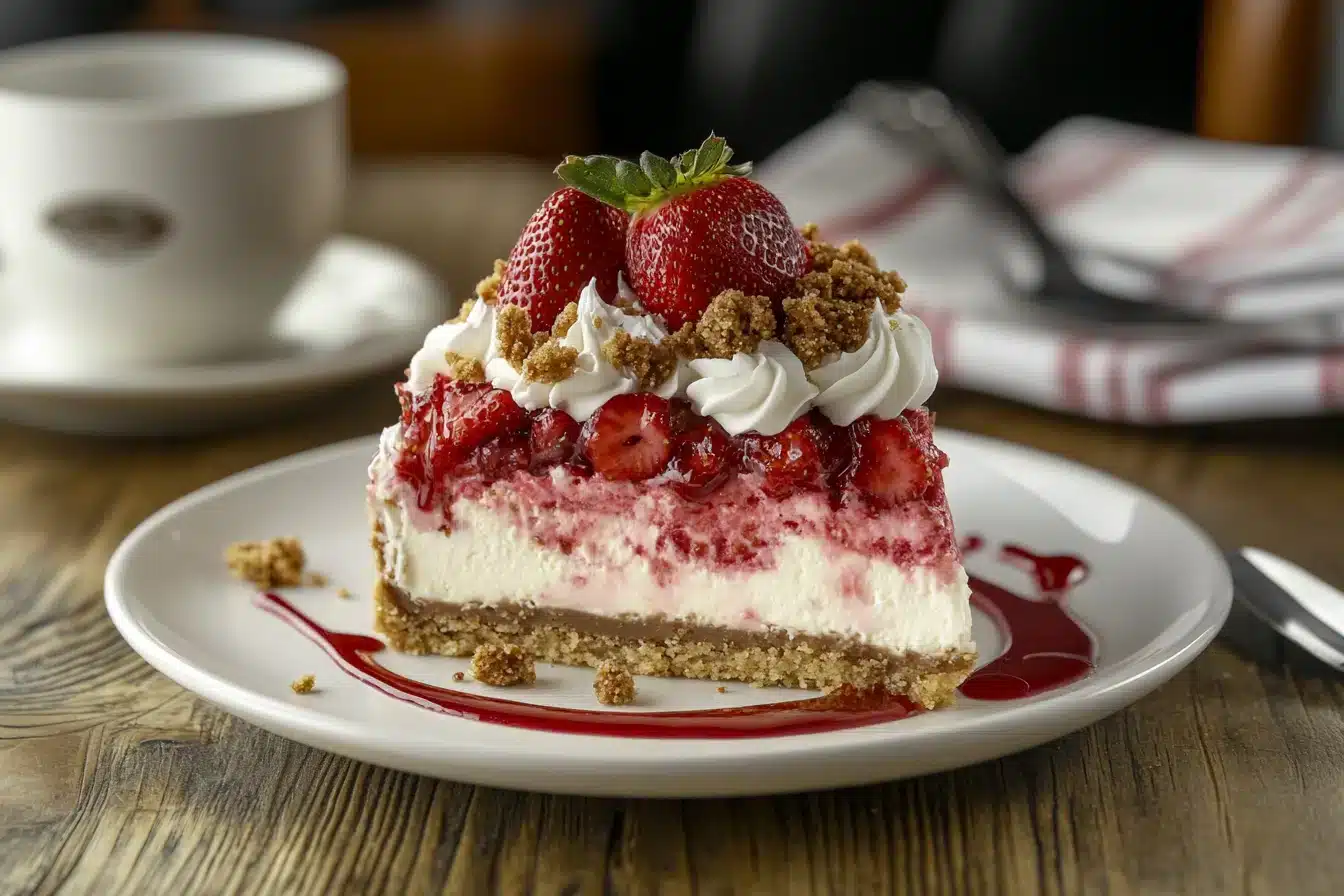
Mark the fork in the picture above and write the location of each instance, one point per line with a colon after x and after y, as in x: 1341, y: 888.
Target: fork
x: 959, y: 141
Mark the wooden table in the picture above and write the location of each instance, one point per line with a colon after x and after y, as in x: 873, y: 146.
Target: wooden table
x: 115, y: 780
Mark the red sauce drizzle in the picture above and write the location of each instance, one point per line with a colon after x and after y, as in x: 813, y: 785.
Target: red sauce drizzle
x: 1046, y: 649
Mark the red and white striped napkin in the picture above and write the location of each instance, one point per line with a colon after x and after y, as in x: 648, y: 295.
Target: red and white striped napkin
x: 1247, y: 234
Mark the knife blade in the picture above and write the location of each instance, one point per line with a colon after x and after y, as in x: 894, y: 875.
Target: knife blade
x: 1292, y: 601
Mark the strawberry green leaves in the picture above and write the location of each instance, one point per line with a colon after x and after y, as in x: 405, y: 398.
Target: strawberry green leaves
x: 636, y: 187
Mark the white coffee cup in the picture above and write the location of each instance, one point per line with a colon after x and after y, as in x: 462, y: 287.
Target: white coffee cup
x: 161, y: 193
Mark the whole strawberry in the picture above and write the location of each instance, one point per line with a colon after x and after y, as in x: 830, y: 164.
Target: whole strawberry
x: 698, y: 227
x: 571, y: 239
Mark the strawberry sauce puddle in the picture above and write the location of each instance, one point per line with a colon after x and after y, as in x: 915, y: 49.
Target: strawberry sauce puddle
x: 1046, y: 649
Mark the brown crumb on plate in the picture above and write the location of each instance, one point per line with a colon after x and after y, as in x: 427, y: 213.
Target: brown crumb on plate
x: 272, y: 563
x: 722, y: 690
x: 503, y: 666
x: 303, y: 685
x: 614, y: 685
x: 344, y: 593
x: 458, y: 676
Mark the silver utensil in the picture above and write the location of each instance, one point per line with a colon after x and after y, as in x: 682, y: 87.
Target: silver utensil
x: 925, y: 116
x: 1293, y: 602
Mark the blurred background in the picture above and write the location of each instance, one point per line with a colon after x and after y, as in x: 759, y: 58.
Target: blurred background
x: 539, y: 78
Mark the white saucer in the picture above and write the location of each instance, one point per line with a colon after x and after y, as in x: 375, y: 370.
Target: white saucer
x: 362, y: 308
x: 1158, y: 592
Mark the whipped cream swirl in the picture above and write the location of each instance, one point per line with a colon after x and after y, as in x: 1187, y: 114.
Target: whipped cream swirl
x: 765, y: 391
x: 595, y: 379
x: 892, y: 370
x: 471, y: 338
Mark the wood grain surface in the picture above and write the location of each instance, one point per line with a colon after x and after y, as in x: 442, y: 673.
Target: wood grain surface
x: 114, y: 780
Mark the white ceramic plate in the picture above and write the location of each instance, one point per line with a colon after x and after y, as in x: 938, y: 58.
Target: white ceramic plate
x: 360, y: 309
x: 1157, y: 594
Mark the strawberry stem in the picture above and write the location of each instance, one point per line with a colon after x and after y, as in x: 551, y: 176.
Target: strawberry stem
x: 638, y: 187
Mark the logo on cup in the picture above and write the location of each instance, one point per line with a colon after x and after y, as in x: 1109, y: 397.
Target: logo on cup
x: 110, y: 227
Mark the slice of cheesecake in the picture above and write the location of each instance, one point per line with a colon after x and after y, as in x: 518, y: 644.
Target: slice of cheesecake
x: 753, y: 497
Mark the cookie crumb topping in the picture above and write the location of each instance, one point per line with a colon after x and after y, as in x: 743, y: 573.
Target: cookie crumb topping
x: 650, y: 362
x: 550, y: 361
x: 684, y: 343
x: 816, y: 326
x: 464, y: 369
x: 488, y: 289
x: 513, y: 334
x: 568, y: 316
x: 734, y: 322
x: 853, y: 272
x: 829, y: 309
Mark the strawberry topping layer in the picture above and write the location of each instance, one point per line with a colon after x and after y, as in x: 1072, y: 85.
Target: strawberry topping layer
x: 874, y: 487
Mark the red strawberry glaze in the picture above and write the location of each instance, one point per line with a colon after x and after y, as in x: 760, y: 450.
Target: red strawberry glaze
x: 721, y: 502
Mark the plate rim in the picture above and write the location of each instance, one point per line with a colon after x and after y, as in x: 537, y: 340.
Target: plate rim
x: 377, y: 350
x: 1109, y: 692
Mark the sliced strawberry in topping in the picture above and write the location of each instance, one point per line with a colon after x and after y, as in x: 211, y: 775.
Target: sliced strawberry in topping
x: 681, y: 415
x: 889, y: 463
x: 702, y: 457
x: 836, y: 449
x: 501, y: 456
x: 789, y: 460
x: 554, y: 438
x: 921, y: 424
x: 483, y: 415
x: 629, y: 438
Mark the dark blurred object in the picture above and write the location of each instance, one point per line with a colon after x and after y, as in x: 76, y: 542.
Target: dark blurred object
x: 1025, y: 65
x: 287, y: 10
x: 26, y: 21
x: 761, y: 71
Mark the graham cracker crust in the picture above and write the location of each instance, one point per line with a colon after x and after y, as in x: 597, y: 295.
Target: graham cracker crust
x: 657, y: 647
